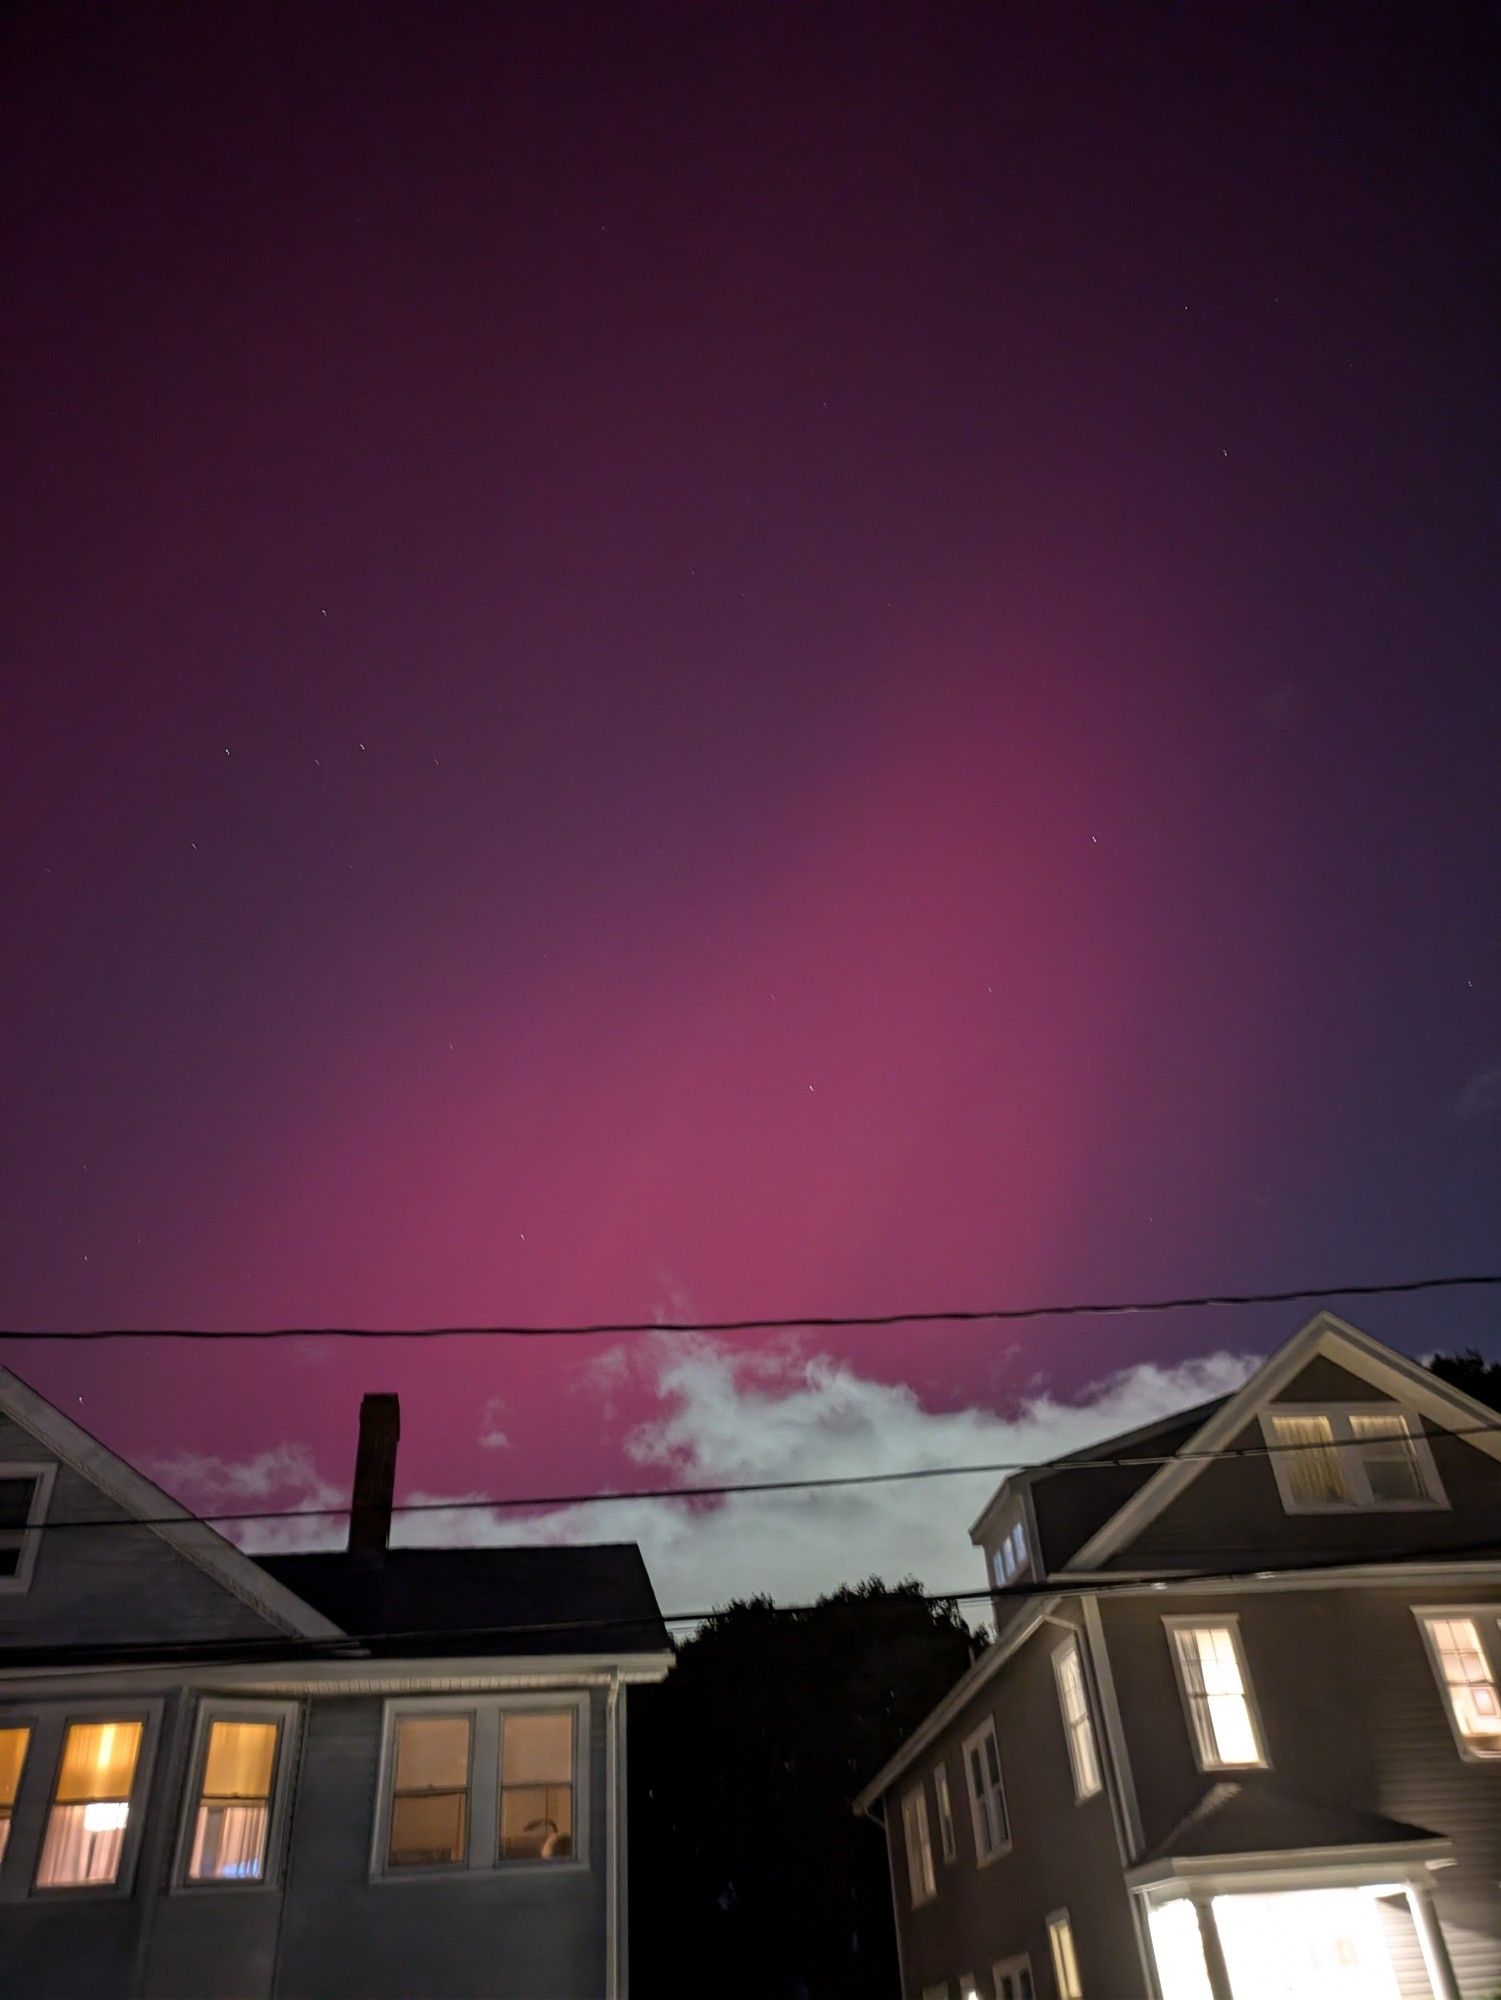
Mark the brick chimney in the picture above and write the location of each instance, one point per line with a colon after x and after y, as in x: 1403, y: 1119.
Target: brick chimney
x: 374, y: 1477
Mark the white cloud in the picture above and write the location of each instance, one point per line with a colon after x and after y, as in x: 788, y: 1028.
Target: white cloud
x: 767, y: 1414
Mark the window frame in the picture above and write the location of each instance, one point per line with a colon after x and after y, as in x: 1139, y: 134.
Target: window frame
x: 1061, y: 1652
x: 1059, y: 1921
x: 1486, y: 1619
x: 287, y: 1715
x: 1230, y: 1622
x: 943, y: 1800
x: 1012, y: 1968
x: 983, y: 1856
x: 1349, y: 1452
x: 61, y: 1719
x: 31, y: 1721
x: 30, y: 1536
x: 482, y: 1856
x: 916, y: 1796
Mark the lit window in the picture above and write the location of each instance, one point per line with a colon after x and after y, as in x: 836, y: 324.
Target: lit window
x: 536, y: 1786
x: 1213, y: 1678
x: 1335, y: 1459
x: 232, y: 1824
x: 968, y: 1990
x: 1011, y: 1558
x: 919, y: 1848
x: 90, y: 1805
x: 23, y: 1503
x: 1013, y: 1978
x: 1065, y: 1959
x: 13, y: 1747
x: 1078, y: 1725
x: 987, y: 1794
x: 1469, y: 1683
x: 947, y: 1845
x: 430, y: 1792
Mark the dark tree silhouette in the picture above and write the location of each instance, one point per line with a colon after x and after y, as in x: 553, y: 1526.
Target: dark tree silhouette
x: 1471, y: 1372
x: 751, y: 1879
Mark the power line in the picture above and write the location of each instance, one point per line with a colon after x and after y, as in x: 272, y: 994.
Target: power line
x: 945, y: 1316
x: 814, y: 1483
x: 356, y: 1645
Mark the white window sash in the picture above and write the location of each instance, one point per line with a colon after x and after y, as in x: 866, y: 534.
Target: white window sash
x: 1065, y: 1956
x: 1216, y: 1713
x: 256, y: 1828
x: 1472, y: 1695
x: 987, y: 1794
x: 1078, y: 1721
x: 947, y: 1844
x: 921, y: 1880
x: 28, y: 1538
x: 1354, y: 1456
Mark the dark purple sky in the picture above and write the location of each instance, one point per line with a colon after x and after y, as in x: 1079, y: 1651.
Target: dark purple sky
x: 740, y: 658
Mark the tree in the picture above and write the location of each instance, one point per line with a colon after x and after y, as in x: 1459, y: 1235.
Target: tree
x: 1471, y: 1372
x: 751, y: 1878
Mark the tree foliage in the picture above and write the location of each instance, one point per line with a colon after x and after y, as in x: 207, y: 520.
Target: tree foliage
x: 1469, y: 1370
x: 751, y: 1878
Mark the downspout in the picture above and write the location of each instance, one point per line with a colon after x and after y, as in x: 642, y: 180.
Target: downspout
x: 614, y: 1836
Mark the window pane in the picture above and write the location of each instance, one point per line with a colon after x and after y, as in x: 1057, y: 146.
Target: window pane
x: 15, y: 1501
x: 1310, y: 1464
x: 239, y: 1761
x: 427, y: 1828
x: 432, y: 1753
x: 536, y: 1822
x: 538, y: 1749
x: 1468, y: 1682
x: 91, y: 1805
x: 99, y: 1761
x: 13, y: 1747
x: 229, y: 1843
x: 10, y: 1558
x: 1218, y: 1707
x: 1391, y: 1464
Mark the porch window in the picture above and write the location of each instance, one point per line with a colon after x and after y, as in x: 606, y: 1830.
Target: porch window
x: 90, y: 1805
x: 987, y: 1794
x: 920, y: 1876
x: 14, y: 1744
x: 1468, y: 1680
x: 1212, y: 1676
x: 1065, y: 1958
x: 1078, y: 1724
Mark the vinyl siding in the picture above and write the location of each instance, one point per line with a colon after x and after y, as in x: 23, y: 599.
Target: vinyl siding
x: 1062, y: 1854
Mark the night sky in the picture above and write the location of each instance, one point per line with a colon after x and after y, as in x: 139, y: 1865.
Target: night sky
x: 715, y: 659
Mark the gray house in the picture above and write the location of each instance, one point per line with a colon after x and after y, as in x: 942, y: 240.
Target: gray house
x: 379, y: 1772
x: 1282, y: 1785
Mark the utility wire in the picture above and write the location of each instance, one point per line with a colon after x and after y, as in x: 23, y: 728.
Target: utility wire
x: 957, y: 1315
x: 356, y: 1645
x: 1127, y: 1460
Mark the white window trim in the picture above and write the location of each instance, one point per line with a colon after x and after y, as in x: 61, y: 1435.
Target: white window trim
x: 1081, y: 1792
x: 922, y: 1877
x: 51, y: 1726
x: 943, y: 1799
x: 287, y: 1715
x: 484, y: 1712
x: 1012, y: 1968
x: 1351, y: 1462
x: 1230, y: 1621
x: 45, y: 1475
x: 983, y: 1858
x: 1487, y: 1621
x: 1061, y: 1920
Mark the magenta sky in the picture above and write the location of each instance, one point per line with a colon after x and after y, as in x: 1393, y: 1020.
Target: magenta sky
x: 739, y: 658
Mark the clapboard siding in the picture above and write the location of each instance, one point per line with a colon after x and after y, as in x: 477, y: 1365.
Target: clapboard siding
x: 109, y: 1584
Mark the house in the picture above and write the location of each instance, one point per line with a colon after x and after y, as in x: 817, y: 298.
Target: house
x: 377, y: 1772
x: 1239, y: 1734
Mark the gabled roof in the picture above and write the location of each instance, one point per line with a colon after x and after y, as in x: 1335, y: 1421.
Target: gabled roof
x: 181, y: 1530
x: 1325, y: 1335
x: 1235, y: 1818
x: 485, y: 1601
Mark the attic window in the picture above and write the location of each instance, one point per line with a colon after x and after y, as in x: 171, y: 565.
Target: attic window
x: 1011, y: 1557
x: 24, y: 1491
x: 1369, y: 1456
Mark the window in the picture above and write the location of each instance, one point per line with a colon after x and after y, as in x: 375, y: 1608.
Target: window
x: 536, y: 1786
x: 240, y: 1766
x: 491, y: 1783
x: 24, y: 1492
x: 1013, y: 1979
x: 1212, y: 1676
x: 14, y: 1744
x: 968, y: 1990
x: 1078, y: 1724
x: 1065, y: 1959
x: 91, y: 1800
x: 919, y: 1848
x: 987, y: 1794
x: 947, y: 1846
x: 1469, y: 1682
x: 1011, y: 1558
x: 1365, y: 1457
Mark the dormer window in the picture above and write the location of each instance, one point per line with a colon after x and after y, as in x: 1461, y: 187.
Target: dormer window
x: 1368, y: 1456
x: 24, y: 1491
x: 1011, y: 1557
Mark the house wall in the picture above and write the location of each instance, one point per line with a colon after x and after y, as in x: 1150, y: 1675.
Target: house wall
x: 1063, y: 1855
x: 1351, y: 1714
